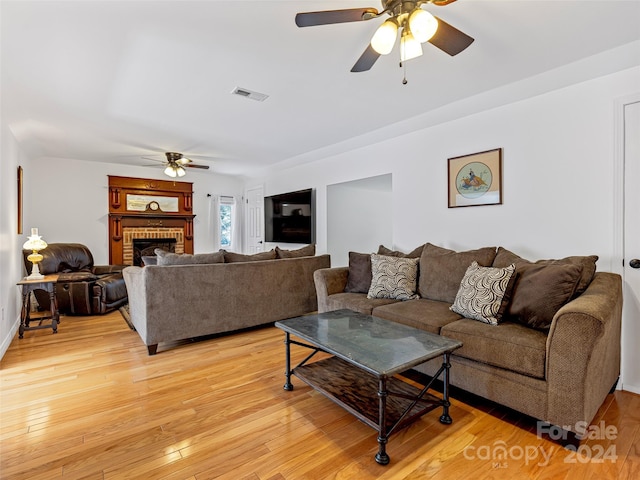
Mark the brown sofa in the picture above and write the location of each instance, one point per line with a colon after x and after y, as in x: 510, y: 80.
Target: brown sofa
x: 188, y: 299
x: 555, y: 353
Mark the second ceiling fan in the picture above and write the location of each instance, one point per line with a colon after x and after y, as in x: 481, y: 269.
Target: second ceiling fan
x: 416, y: 26
x: 175, y: 164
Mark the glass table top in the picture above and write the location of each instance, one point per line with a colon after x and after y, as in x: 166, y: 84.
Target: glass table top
x: 379, y: 346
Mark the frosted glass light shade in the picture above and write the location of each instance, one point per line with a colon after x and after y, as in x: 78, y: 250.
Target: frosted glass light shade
x: 180, y: 171
x: 423, y: 25
x: 385, y: 37
x: 170, y: 171
x: 409, y: 47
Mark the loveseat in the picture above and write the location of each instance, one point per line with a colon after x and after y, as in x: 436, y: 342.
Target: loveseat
x: 82, y: 287
x: 552, y: 348
x: 188, y: 296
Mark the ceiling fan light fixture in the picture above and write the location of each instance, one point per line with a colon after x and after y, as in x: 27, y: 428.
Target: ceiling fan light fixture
x: 409, y: 46
x: 180, y: 171
x: 423, y: 25
x: 385, y: 37
x: 171, y: 171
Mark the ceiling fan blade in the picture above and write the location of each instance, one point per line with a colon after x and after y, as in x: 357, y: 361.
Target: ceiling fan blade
x: 154, y: 160
x: 311, y: 19
x: 449, y: 39
x: 366, y: 60
x: 191, y: 165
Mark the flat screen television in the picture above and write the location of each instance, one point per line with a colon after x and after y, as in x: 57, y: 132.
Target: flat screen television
x: 290, y: 217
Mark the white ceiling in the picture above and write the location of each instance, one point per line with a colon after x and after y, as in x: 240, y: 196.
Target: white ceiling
x: 114, y: 81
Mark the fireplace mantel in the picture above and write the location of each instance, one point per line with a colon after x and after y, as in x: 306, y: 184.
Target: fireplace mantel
x: 143, y: 207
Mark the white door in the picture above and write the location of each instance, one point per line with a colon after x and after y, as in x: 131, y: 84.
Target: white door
x: 631, y: 272
x: 254, y: 220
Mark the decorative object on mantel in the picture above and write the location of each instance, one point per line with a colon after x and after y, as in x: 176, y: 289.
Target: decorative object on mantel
x: 476, y: 179
x: 35, y: 244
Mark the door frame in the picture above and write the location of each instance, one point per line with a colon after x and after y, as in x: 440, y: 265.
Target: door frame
x: 619, y: 200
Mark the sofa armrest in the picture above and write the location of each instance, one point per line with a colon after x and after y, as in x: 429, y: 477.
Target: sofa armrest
x: 106, y: 269
x: 135, y: 281
x: 583, y: 352
x: 329, y: 281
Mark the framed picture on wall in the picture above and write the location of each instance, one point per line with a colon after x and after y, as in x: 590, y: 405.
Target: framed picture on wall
x: 19, y: 200
x: 476, y: 179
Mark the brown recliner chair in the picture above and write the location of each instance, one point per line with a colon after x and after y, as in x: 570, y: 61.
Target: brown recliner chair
x: 82, y: 288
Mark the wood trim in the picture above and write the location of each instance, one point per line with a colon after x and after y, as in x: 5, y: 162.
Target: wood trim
x: 120, y: 217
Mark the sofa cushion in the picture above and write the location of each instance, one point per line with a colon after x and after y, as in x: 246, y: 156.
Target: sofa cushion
x: 509, y: 345
x: 393, y: 277
x: 428, y: 315
x: 441, y: 270
x: 588, y: 263
x: 359, y: 279
x: 484, y: 293
x: 539, y: 291
x: 232, y: 257
x: 306, y: 251
x: 168, y: 258
x: 415, y: 253
x: 356, y: 301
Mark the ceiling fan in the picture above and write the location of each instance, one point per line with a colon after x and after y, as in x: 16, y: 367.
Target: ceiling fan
x: 416, y: 26
x: 175, y: 164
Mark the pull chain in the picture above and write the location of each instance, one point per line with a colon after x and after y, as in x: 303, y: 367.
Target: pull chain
x: 403, y: 65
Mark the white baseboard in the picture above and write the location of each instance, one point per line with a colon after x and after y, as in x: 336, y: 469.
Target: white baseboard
x: 4, y: 346
x: 630, y: 388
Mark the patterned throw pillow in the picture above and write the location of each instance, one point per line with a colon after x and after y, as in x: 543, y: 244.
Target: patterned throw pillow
x: 393, y: 277
x: 483, y: 293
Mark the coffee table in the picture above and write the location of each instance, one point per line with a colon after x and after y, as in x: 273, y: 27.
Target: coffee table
x: 362, y: 375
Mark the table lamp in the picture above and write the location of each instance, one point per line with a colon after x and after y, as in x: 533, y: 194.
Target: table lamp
x: 35, y: 243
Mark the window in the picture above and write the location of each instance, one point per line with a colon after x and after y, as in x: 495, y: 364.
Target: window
x: 227, y: 205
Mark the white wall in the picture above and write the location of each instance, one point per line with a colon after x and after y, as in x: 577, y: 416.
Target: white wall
x: 558, y: 175
x: 70, y: 201
x: 10, y: 241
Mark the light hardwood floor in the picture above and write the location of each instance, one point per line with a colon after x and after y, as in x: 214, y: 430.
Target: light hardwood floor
x: 89, y: 403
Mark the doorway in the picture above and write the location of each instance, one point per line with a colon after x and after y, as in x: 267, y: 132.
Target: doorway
x: 627, y: 214
x: 254, y: 220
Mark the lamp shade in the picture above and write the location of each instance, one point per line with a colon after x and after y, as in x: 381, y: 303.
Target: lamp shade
x: 34, y: 242
x: 423, y: 25
x: 409, y: 47
x: 385, y: 37
x: 170, y: 171
x: 180, y: 171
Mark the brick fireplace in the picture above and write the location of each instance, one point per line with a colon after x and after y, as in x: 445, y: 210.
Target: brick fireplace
x: 144, y: 209
x: 140, y: 242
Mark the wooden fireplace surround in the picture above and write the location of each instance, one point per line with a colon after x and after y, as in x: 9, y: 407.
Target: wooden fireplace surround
x: 138, y: 202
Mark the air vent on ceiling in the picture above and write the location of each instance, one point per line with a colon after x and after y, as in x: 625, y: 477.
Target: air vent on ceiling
x: 243, y: 92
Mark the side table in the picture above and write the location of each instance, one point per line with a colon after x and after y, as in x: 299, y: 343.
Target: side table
x: 48, y: 284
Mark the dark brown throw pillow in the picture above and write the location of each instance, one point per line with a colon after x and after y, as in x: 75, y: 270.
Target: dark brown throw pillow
x: 359, y: 278
x: 307, y: 251
x: 232, y: 257
x: 415, y: 253
x: 588, y: 263
x: 539, y: 292
x: 442, y: 270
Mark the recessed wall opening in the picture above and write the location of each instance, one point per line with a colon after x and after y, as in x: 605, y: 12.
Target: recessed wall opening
x: 359, y: 217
